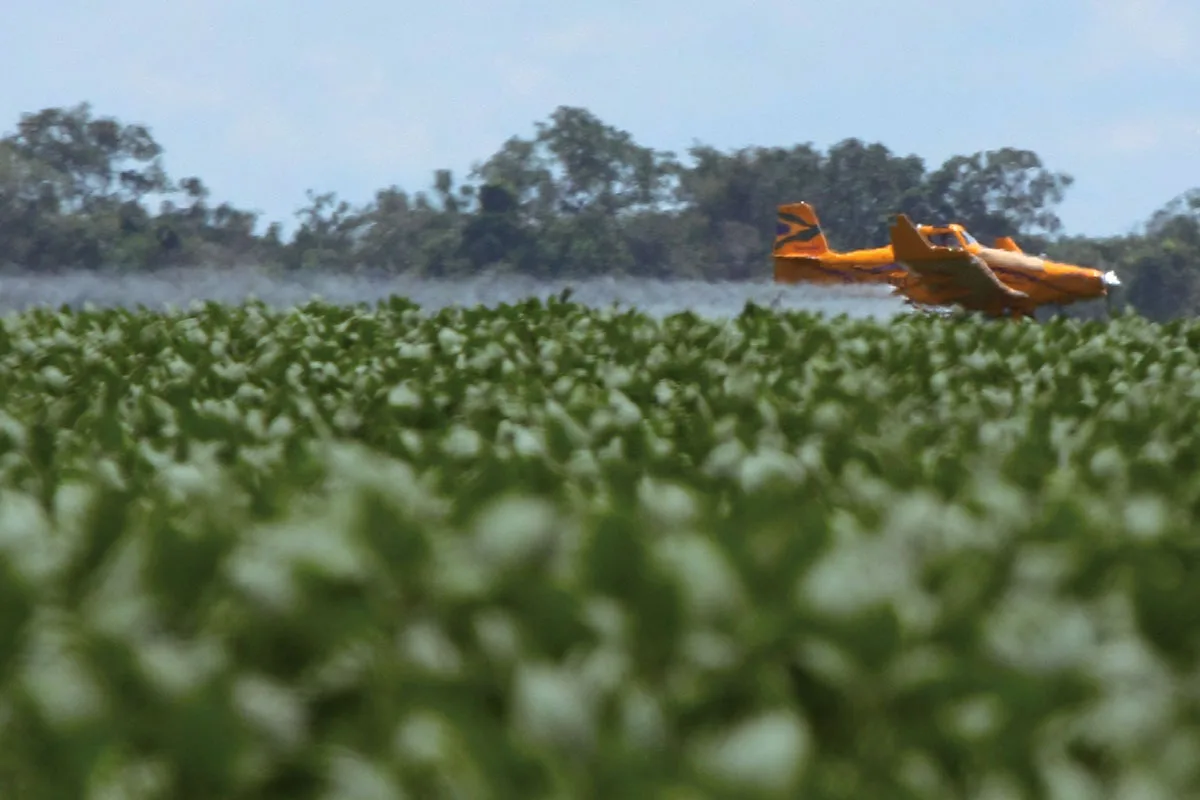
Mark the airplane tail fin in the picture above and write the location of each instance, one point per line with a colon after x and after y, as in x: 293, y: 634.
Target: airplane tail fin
x: 1007, y: 243
x: 907, y: 242
x: 798, y: 231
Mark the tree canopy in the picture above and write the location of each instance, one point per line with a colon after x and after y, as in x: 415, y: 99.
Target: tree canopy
x: 576, y: 198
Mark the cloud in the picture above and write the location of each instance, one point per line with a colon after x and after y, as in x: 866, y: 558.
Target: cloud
x: 1119, y: 34
x: 172, y: 92
x: 266, y: 132
x: 521, y: 77
x: 1143, y: 134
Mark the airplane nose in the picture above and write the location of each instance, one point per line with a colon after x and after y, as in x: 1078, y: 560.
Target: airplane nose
x: 1110, y: 278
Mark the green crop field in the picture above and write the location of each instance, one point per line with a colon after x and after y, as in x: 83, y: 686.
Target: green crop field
x: 547, y: 551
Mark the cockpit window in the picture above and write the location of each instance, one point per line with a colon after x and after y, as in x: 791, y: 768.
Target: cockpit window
x: 970, y: 239
x: 945, y: 239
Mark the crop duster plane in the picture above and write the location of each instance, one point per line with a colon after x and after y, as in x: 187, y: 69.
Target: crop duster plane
x: 935, y: 265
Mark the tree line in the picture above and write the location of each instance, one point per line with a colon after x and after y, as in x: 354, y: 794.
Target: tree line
x: 577, y: 198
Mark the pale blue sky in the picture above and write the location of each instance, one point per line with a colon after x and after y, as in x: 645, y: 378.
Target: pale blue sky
x: 265, y: 99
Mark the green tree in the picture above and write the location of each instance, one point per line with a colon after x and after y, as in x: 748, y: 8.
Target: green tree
x: 327, y: 235
x: 1185, y: 205
x: 73, y: 187
x: 1005, y: 192
x: 75, y: 190
x: 579, y: 197
x: 98, y: 160
x: 728, y: 203
x: 496, y: 234
x: 419, y: 233
x: 577, y: 182
x: 1165, y: 267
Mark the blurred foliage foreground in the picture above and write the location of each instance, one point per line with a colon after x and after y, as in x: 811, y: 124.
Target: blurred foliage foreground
x: 546, y: 551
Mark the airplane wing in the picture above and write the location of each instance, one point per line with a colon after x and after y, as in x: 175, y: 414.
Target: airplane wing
x: 950, y: 268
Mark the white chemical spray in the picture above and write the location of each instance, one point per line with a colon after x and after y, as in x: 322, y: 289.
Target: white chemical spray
x: 658, y: 298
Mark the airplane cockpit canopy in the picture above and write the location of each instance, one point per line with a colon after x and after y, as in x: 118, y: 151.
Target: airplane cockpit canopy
x: 951, y: 238
x: 945, y: 239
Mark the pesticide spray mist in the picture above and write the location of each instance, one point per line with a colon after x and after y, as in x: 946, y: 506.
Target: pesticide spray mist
x: 180, y: 288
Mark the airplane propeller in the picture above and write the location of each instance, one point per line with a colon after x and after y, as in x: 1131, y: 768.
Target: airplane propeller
x: 1111, y: 280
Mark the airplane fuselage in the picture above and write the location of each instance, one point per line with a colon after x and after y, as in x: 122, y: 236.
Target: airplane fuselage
x: 1041, y: 280
x: 873, y: 265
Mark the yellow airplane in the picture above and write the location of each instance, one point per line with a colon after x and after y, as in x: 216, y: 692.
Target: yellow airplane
x: 996, y: 280
x: 934, y: 265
